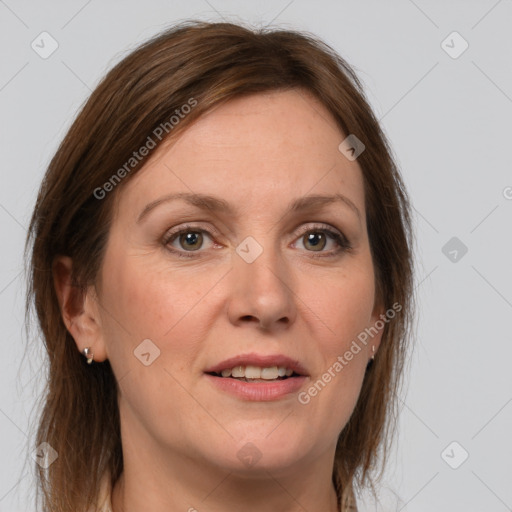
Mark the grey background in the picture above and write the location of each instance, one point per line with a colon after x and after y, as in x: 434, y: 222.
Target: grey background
x: 448, y: 120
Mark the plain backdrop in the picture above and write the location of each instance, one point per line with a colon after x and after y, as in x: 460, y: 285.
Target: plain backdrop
x: 439, y: 77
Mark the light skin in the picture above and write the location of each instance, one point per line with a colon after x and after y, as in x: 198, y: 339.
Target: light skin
x: 306, y: 298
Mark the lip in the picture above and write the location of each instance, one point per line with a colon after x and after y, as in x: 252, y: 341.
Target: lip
x: 258, y: 391
x: 263, y: 361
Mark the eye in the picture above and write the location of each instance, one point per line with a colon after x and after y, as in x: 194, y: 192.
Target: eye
x: 188, y: 239
x: 316, y: 239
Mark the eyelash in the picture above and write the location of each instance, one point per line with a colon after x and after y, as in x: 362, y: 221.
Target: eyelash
x: 343, y: 243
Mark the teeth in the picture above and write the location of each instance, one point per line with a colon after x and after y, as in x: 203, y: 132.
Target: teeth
x: 238, y: 371
x: 270, y: 373
x: 255, y: 372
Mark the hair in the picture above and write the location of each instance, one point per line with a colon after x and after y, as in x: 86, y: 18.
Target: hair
x: 209, y: 63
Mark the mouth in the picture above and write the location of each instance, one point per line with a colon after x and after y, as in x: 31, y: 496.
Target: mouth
x: 258, y: 377
x: 252, y: 373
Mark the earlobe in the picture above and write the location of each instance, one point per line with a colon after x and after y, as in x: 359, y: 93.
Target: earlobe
x: 78, y: 309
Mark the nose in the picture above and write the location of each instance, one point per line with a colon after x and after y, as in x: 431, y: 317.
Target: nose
x: 262, y: 292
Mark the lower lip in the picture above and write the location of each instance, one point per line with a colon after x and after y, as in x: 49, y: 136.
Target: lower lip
x: 257, y: 391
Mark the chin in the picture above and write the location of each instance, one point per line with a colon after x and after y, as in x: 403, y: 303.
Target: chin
x: 263, y: 451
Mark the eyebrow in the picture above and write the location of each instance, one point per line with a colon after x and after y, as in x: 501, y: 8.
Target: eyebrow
x: 215, y: 204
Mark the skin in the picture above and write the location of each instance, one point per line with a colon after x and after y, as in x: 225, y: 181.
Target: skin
x: 180, y: 434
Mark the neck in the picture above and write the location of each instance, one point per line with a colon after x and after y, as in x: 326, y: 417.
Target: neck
x: 194, y: 487
x: 164, y: 478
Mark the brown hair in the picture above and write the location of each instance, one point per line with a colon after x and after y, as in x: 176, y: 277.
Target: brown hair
x: 211, y: 63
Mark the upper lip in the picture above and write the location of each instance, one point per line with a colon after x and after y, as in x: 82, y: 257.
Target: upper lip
x: 263, y: 361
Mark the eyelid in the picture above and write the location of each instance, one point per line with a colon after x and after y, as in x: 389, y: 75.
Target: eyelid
x: 312, y: 226
x: 189, y: 227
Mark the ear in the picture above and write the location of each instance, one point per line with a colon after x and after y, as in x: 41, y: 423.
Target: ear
x: 79, y: 308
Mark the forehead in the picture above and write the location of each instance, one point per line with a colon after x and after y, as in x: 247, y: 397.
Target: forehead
x: 253, y: 151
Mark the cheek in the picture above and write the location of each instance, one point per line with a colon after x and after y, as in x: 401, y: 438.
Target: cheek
x: 146, y: 299
x: 142, y: 301
x: 343, y: 304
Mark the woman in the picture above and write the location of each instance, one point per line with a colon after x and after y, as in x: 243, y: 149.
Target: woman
x: 221, y: 268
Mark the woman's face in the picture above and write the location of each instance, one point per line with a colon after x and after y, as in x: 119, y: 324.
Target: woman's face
x: 250, y: 281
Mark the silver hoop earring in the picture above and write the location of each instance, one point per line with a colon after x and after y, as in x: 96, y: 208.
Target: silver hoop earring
x: 88, y: 354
